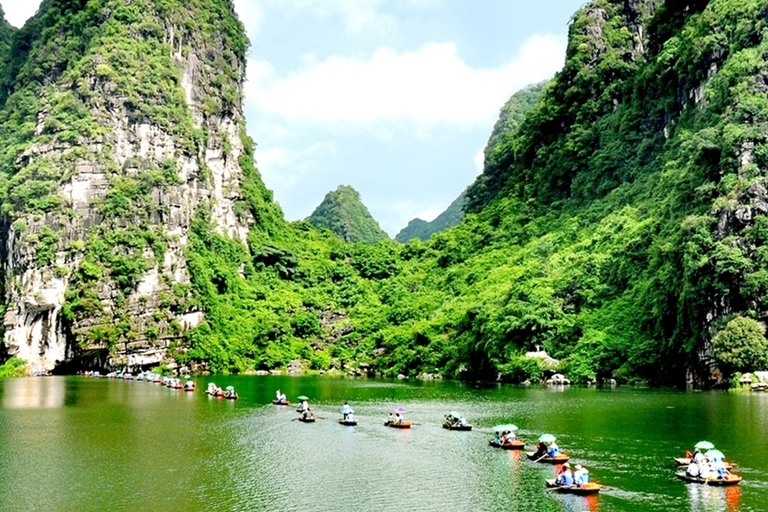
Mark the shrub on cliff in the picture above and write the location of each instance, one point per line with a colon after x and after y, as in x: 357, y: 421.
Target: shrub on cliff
x: 741, y: 346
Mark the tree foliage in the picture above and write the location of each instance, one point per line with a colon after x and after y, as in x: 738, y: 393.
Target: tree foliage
x: 741, y: 346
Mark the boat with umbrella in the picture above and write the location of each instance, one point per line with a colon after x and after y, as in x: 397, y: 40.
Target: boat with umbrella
x: 454, y: 420
x: 701, y: 446
x: 230, y: 393
x: 300, y: 406
x: 546, y: 441
x: 398, y: 420
x: 498, y: 442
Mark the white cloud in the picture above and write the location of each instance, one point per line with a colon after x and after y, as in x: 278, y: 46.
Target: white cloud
x: 479, y: 160
x: 17, y: 13
x: 429, y: 85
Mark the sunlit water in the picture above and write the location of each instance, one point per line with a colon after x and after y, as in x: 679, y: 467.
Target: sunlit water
x: 94, y: 444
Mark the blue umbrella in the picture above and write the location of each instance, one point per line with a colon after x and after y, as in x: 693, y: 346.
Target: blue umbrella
x: 714, y: 455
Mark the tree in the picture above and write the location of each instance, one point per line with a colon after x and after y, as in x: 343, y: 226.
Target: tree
x: 741, y: 346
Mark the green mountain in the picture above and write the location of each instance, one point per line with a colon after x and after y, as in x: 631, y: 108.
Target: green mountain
x: 422, y: 229
x: 512, y: 114
x: 621, y: 224
x: 344, y: 214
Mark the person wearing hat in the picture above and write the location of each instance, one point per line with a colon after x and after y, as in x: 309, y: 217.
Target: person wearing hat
x: 581, y: 475
x: 565, y: 477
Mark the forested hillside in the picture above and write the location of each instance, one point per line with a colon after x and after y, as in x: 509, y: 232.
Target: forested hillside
x: 421, y: 229
x: 344, y: 214
x: 620, y: 223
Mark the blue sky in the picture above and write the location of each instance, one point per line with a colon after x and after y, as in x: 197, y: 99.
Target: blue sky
x: 396, y: 98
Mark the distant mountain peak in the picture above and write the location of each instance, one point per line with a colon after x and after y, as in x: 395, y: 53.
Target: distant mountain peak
x: 342, y: 211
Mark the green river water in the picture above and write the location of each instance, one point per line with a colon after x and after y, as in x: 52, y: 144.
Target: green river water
x: 81, y: 444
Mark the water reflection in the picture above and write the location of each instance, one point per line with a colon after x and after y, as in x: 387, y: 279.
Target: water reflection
x: 706, y: 498
x: 34, y: 393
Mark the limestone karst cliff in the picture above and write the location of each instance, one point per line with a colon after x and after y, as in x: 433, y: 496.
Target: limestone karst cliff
x: 122, y: 124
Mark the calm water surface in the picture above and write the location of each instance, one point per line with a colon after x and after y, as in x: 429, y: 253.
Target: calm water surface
x: 73, y: 443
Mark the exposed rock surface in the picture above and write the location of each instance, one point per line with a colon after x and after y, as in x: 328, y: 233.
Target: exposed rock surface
x: 138, y: 317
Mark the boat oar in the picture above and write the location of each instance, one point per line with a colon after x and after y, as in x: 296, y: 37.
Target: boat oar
x: 542, y: 457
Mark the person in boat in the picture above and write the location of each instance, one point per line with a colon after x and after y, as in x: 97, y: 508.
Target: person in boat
x: 704, y: 471
x: 230, y: 393
x: 350, y: 416
x: 497, y: 437
x: 565, y: 477
x: 580, y: 476
x: 390, y: 419
x: 697, y: 457
x: 304, y: 406
x: 306, y: 413
x: 278, y: 396
x: 553, y: 450
x: 509, y: 436
x: 399, y: 418
x: 462, y: 421
x: 693, y: 470
x: 720, y: 470
x: 283, y: 398
x: 541, y: 450
x: 346, y: 410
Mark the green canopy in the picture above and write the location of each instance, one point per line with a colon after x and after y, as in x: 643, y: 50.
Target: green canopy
x: 502, y: 428
x: 547, y: 438
x: 704, y: 445
x: 455, y: 414
x: 302, y: 397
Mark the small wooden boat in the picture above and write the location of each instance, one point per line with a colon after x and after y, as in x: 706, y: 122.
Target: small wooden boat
x: 512, y: 445
x: 730, y: 479
x: 278, y: 402
x: 583, y: 490
x: 456, y: 426
x: 307, y: 419
x: 560, y: 458
x: 686, y: 461
x: 231, y: 396
x: 350, y: 423
x: 398, y: 424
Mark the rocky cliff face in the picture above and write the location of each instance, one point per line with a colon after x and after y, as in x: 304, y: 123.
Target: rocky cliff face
x: 116, y: 149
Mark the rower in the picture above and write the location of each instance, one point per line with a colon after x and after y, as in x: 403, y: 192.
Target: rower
x: 581, y: 475
x: 565, y: 477
x: 554, y: 450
